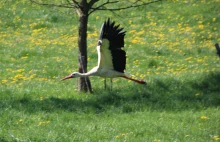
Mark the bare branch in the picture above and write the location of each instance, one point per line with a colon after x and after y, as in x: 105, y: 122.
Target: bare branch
x: 102, y: 5
x: 56, y: 5
x: 92, y: 2
x: 77, y: 6
x: 133, y: 5
x: 68, y: 2
x: 76, y: 3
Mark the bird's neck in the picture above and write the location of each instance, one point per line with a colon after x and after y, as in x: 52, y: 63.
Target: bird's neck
x: 90, y: 73
x: 83, y: 74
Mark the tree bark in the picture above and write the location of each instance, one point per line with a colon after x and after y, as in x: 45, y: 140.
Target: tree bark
x: 83, y: 83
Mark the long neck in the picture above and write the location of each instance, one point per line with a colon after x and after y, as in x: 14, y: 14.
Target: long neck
x: 84, y: 74
x: 90, y: 73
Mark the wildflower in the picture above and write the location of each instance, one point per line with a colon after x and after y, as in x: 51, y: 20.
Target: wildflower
x: 216, y: 138
x: 13, y: 59
x: 41, y: 98
x: 213, y: 19
x: 123, y: 135
x: 24, y: 57
x: 148, y: 14
x: 4, y: 81
x: 204, y: 117
x: 188, y: 58
x: 140, y: 32
x: 20, y: 70
x: 43, y: 123
x: 197, y: 94
x: 134, y: 41
x: 41, y: 79
x: 33, y: 25
x: 32, y: 76
x: 201, y: 26
x: 171, y: 29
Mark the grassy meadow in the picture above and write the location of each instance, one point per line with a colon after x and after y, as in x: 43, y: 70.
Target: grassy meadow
x: 170, y: 44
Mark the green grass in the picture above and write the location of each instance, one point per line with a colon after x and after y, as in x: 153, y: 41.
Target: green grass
x: 169, y: 44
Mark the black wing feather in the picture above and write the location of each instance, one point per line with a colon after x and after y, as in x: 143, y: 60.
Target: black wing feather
x: 113, y: 33
x: 115, y: 36
x: 119, y: 59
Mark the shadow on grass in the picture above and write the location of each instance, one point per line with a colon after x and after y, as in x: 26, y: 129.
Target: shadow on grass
x: 161, y: 95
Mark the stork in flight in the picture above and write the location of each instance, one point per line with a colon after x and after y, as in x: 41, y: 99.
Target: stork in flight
x: 111, y: 56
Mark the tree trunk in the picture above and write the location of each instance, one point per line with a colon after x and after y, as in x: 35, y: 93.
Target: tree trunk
x: 83, y: 83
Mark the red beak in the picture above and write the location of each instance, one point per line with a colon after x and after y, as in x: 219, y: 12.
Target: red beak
x: 67, y: 77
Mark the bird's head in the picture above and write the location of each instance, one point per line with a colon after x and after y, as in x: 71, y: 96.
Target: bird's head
x: 72, y: 75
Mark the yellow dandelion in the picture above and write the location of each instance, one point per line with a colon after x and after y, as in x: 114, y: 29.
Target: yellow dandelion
x: 13, y: 59
x: 24, y: 57
x: 43, y: 123
x: 204, y: 117
x: 197, y: 94
x: 171, y: 29
x: 216, y: 138
x: 134, y: 41
x: 201, y: 26
x: 33, y: 25
x: 41, y: 98
x: 188, y: 58
x: 213, y: 19
x: 19, y: 70
x: 123, y: 135
x: 32, y: 76
x: 4, y: 81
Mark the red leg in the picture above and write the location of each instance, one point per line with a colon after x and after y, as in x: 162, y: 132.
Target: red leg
x: 135, y: 80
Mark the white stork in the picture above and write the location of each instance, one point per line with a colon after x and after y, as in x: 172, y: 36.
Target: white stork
x: 111, y: 56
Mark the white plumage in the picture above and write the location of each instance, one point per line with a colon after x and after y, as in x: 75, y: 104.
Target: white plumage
x: 111, y: 56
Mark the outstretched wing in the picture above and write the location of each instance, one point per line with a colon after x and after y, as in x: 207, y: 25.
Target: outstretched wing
x: 110, y: 44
